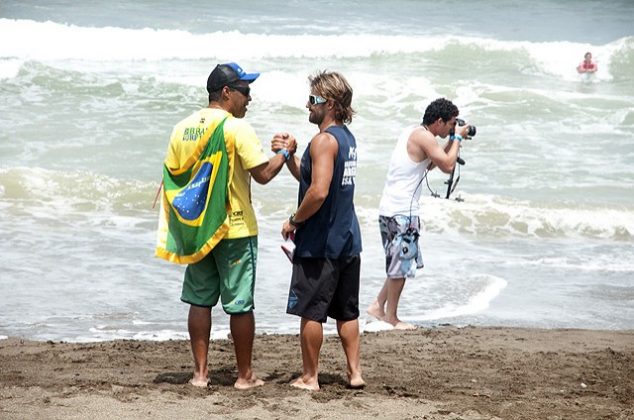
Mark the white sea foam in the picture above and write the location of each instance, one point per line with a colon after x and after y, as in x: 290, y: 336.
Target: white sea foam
x: 600, y: 264
x: 476, y: 303
x: 105, y: 334
x: 56, y: 41
x: 555, y: 57
x: 9, y: 67
x: 52, y: 194
x: 162, y: 335
x: 376, y: 326
x: 501, y: 216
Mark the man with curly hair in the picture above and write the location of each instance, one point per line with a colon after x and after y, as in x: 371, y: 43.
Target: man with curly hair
x: 417, y: 151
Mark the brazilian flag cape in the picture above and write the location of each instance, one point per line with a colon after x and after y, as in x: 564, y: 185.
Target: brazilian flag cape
x: 195, y: 203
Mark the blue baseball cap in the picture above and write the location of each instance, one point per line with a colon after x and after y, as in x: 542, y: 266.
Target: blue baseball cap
x: 226, y: 74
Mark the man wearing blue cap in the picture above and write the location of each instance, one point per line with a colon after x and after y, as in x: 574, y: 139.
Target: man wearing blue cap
x: 217, y: 148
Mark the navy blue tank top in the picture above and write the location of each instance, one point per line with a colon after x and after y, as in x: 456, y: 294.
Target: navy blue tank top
x: 333, y: 231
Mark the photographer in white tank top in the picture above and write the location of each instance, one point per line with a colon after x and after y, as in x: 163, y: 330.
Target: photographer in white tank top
x: 416, y: 152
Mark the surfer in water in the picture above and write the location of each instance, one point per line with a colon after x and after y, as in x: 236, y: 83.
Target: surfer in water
x: 587, y: 65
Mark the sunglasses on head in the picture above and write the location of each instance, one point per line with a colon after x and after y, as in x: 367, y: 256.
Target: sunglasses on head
x: 316, y: 100
x: 245, y: 90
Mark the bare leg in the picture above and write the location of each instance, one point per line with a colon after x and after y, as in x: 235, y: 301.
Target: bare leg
x: 349, y: 333
x: 242, y: 332
x: 394, y: 290
x: 377, y: 308
x: 311, y: 338
x: 199, y: 326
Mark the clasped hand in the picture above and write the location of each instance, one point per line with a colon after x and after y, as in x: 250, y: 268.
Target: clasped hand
x: 284, y: 141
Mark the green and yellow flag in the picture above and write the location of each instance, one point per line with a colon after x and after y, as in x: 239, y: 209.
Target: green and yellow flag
x: 195, y: 201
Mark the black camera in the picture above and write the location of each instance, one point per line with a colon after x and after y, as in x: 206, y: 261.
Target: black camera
x: 471, y: 131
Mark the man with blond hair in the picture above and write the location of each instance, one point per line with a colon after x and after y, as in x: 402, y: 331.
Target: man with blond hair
x: 326, y: 261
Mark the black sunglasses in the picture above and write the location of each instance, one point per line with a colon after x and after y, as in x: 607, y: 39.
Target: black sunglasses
x: 245, y: 90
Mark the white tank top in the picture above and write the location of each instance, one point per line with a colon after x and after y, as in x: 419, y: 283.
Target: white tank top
x: 403, y: 184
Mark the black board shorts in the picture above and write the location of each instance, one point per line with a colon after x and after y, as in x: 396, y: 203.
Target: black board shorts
x: 325, y: 287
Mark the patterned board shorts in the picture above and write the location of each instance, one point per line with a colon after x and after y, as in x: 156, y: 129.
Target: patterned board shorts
x: 399, y: 235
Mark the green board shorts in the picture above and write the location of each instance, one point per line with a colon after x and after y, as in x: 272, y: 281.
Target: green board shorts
x: 228, y: 273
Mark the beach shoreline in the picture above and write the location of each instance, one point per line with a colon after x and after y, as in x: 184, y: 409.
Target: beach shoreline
x: 431, y: 373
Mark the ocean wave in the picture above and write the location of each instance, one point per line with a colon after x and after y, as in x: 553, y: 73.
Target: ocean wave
x: 490, y: 216
x: 98, y: 199
x: 56, y: 41
x: 77, y: 198
x: 494, y: 216
x: 476, y: 302
x: 100, y: 333
x: 599, y: 264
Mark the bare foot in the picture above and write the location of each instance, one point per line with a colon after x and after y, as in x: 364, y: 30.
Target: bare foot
x: 200, y: 383
x: 400, y: 325
x: 356, y: 382
x: 376, y: 311
x: 252, y: 382
x: 299, y: 383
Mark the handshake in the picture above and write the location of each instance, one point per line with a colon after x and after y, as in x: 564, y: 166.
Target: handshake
x: 284, y: 143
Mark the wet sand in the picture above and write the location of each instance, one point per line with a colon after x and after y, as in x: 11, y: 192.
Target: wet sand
x: 438, y: 373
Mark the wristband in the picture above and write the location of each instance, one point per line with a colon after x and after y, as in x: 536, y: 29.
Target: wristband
x: 285, y: 153
x: 457, y: 137
x: 291, y: 220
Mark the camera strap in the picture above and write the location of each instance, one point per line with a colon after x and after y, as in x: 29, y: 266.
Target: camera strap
x: 451, y: 185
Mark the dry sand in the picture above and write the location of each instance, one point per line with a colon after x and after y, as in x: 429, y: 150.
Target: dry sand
x: 439, y: 373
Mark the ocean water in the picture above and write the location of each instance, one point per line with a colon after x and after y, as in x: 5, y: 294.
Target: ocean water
x: 544, y: 236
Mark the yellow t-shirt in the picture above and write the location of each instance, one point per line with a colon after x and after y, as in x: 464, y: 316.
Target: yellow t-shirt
x: 248, y: 155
